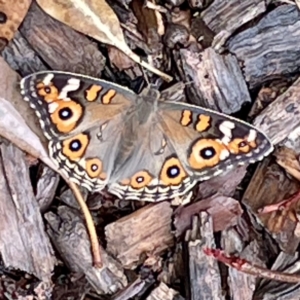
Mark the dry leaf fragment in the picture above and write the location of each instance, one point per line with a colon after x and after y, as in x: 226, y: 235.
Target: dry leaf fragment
x: 96, y: 19
x: 11, y: 17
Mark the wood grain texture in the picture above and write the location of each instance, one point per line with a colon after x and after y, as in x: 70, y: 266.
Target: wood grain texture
x: 281, y: 117
x: 230, y: 15
x: 24, y: 244
x: 21, y: 57
x: 269, y: 49
x: 203, y: 281
x: 68, y: 233
x: 217, y: 80
x: 268, y: 186
x: 147, y: 230
x: 67, y: 50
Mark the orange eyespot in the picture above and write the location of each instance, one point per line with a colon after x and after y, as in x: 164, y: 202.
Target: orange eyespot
x: 239, y: 145
x: 74, y: 148
x: 48, y: 92
x: 172, y: 172
x: 65, y: 115
x: 138, y: 180
x: 206, y: 153
x: 93, y: 167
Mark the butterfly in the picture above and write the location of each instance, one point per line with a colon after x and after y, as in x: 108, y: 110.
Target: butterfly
x: 140, y: 146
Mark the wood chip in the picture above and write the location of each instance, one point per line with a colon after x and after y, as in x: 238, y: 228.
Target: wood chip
x: 68, y: 233
x: 24, y: 244
x: 218, y: 82
x: 268, y: 50
x: 204, y: 277
x: 147, y: 230
x: 68, y: 51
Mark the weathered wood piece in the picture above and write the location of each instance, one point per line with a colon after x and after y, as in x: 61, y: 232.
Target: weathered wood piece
x: 46, y: 188
x: 21, y: 57
x: 225, y: 184
x: 217, y: 80
x: 147, y: 230
x: 66, y: 51
x: 281, y: 117
x: 269, y: 185
x: 24, y: 244
x: 230, y: 15
x: 68, y: 233
x: 242, y: 285
x: 268, y: 50
x: 224, y: 212
x: 204, y: 281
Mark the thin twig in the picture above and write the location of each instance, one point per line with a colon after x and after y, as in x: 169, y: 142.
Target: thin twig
x: 251, y: 269
x: 89, y: 223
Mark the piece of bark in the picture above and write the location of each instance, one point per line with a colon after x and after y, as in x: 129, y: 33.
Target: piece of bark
x: 147, y: 24
x: 232, y: 240
x: 203, y: 280
x: 224, y: 212
x: 242, y: 285
x: 165, y: 293
x: 281, y: 117
x: 226, y: 184
x: 21, y: 57
x: 46, y: 187
x: 176, y: 34
x: 218, y: 82
x: 202, y: 33
x: 23, y: 242
x: 60, y: 46
x: 268, y: 93
x: 68, y: 233
x: 147, y: 230
x: 172, y: 268
x: 268, y: 49
x: 270, y: 185
x: 230, y: 15
x: 225, y: 17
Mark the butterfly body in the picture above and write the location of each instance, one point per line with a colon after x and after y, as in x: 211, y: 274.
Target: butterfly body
x: 141, y: 147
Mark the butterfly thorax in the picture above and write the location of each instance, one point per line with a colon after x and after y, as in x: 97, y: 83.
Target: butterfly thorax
x: 139, y: 123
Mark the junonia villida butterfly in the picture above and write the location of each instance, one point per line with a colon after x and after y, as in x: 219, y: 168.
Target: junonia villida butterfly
x: 140, y: 146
